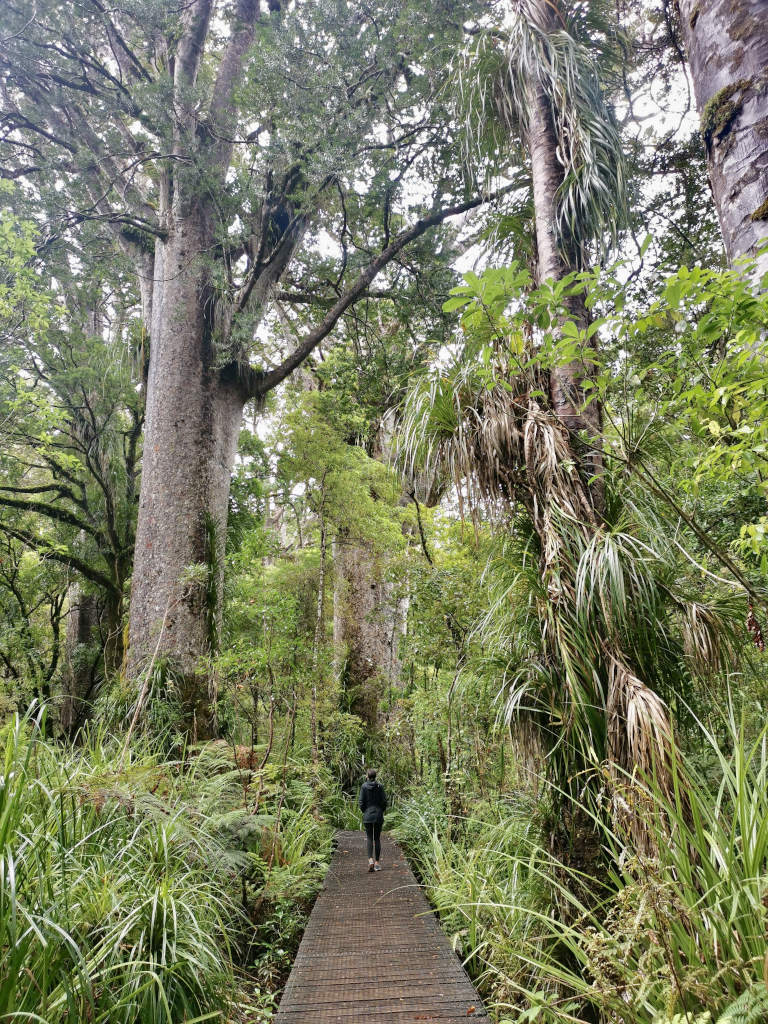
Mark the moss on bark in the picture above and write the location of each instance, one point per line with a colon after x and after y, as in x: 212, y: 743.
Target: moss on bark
x: 722, y: 109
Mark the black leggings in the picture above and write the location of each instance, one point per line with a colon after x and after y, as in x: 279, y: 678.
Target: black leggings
x: 373, y: 832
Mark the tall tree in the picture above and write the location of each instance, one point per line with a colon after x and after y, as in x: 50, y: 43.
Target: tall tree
x: 367, y: 373
x: 215, y: 144
x: 529, y: 431
x: 353, y: 501
x: 71, y: 418
x: 727, y: 49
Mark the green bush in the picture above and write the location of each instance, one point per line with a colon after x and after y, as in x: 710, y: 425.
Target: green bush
x: 681, y: 934
x: 139, y: 891
x: 113, y: 904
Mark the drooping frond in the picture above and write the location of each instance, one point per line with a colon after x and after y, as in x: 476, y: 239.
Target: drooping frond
x: 562, y: 56
x: 458, y: 422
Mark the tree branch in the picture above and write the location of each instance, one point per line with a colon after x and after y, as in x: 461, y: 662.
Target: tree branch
x: 308, y: 299
x: 65, y: 558
x: 190, y: 50
x: 243, y: 28
x: 61, y: 515
x: 422, y: 535
x: 263, y: 383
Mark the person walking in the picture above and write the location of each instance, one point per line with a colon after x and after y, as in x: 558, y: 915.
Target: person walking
x: 373, y: 802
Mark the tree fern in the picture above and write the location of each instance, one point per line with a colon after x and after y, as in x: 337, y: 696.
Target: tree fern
x: 750, y: 1008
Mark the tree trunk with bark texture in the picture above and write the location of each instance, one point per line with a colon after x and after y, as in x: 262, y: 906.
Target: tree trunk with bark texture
x: 81, y: 660
x: 192, y: 424
x: 566, y: 383
x: 367, y: 626
x: 727, y: 47
x: 317, y: 643
x: 369, y: 617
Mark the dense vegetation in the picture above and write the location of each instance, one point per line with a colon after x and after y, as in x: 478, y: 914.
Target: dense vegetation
x: 384, y: 384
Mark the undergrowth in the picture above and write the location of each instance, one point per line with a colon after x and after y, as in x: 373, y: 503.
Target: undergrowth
x: 141, y: 891
x: 680, y: 936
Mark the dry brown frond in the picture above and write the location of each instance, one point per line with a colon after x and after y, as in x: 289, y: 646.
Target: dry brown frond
x: 639, y: 748
x: 705, y: 639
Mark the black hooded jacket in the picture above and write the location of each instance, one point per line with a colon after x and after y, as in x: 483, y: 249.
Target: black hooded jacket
x: 372, y: 802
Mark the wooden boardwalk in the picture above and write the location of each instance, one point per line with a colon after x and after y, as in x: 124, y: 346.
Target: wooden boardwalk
x: 373, y: 951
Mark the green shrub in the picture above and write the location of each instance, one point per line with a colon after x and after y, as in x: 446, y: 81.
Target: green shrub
x: 113, y: 905
x: 136, y: 890
x: 682, y: 932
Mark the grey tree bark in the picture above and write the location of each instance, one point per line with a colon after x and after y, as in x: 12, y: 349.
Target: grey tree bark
x: 192, y: 423
x: 727, y: 49
x: 81, y: 660
x: 367, y: 626
x: 317, y: 642
x: 202, y: 289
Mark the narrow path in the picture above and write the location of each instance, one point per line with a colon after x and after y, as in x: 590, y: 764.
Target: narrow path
x: 373, y: 951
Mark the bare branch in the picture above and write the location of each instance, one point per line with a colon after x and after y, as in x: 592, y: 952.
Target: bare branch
x: 264, y: 383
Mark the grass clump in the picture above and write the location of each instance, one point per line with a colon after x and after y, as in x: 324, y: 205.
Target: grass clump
x: 680, y: 933
x: 113, y: 907
x: 135, y: 890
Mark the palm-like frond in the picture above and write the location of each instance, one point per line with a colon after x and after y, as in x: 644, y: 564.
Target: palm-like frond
x: 499, y: 70
x: 456, y: 421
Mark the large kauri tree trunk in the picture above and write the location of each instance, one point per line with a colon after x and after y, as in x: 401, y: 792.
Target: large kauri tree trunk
x: 727, y: 48
x: 367, y: 626
x: 369, y: 614
x: 193, y: 419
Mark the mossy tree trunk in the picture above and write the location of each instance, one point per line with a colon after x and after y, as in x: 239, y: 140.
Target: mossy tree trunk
x: 367, y: 624
x: 727, y: 48
x: 81, y: 660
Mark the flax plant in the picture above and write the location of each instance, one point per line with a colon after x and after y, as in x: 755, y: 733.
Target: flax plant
x: 676, y: 936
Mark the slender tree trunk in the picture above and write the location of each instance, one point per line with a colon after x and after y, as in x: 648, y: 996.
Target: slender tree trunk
x: 192, y: 426
x: 570, y: 400
x: 318, y: 640
x: 727, y: 48
x: 81, y: 659
x: 111, y: 627
x: 554, y: 439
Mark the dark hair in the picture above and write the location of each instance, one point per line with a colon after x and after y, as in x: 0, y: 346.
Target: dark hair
x: 371, y: 773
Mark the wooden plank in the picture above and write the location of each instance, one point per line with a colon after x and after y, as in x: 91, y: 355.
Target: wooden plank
x: 374, y: 951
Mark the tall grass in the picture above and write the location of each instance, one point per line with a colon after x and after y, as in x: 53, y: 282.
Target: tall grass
x: 113, y: 907
x: 682, y: 932
x: 138, y: 891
